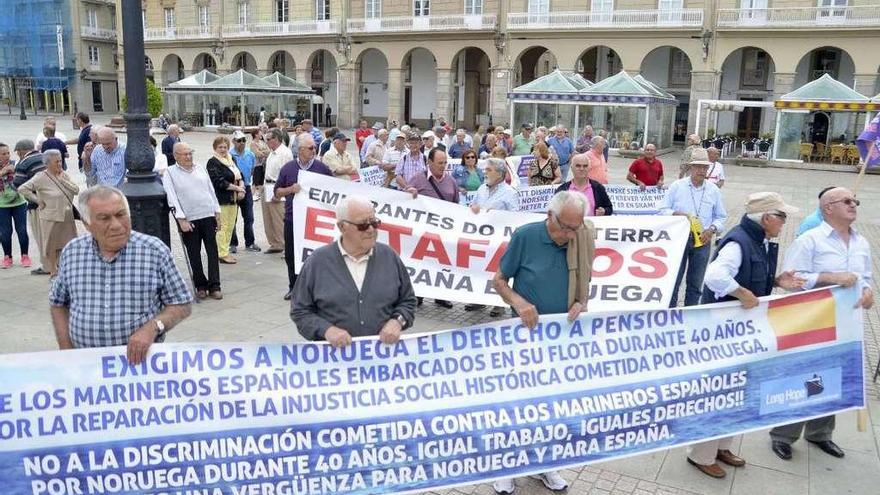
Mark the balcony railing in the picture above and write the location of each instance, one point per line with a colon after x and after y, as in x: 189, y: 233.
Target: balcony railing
x: 800, y: 17
x: 423, y: 23
x: 673, y: 18
x: 280, y: 28
x: 94, y: 32
x: 179, y: 33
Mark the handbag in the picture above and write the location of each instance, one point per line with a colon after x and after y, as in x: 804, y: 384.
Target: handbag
x: 76, y: 214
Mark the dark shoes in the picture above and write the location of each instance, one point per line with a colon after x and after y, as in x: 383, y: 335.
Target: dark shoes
x: 273, y: 251
x: 288, y: 296
x: 782, y: 450
x: 829, y: 448
x: 419, y: 301
x: 496, y: 311
x: 233, y: 249
x: 731, y: 459
x: 202, y: 294
x: 713, y: 470
x: 473, y: 307
x: 253, y: 248
x: 216, y: 294
x: 443, y: 303
x: 39, y: 271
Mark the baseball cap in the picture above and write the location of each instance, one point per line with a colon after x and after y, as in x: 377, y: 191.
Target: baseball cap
x: 341, y: 137
x: 378, y: 125
x: 395, y: 133
x: 237, y: 135
x: 428, y: 134
x: 527, y: 125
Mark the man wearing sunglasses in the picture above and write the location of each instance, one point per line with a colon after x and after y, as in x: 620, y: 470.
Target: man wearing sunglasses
x: 551, y: 266
x: 354, y: 287
x: 833, y: 253
x: 286, y: 187
x: 744, y: 268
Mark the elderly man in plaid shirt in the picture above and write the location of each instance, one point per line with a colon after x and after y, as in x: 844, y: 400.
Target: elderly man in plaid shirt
x: 115, y: 286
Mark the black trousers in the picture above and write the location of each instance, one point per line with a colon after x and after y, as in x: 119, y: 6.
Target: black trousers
x: 204, y: 232
x: 289, y: 252
x: 246, y: 206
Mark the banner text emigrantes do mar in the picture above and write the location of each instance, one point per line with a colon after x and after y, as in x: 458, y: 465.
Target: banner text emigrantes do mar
x: 452, y: 253
x: 436, y: 410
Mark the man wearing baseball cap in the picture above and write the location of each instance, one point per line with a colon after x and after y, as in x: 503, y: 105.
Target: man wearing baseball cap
x: 744, y: 268
x: 339, y: 159
x: 378, y: 126
x: 523, y: 142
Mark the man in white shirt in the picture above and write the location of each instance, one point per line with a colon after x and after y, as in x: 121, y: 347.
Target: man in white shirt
x: 833, y: 253
x: 339, y: 160
x: 378, y: 126
x: 194, y: 204
x: 41, y: 137
x: 393, y: 155
x: 273, y: 211
x: 715, y: 175
x: 377, y: 149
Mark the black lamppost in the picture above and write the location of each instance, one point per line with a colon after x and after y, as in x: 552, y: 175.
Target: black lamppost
x: 22, y: 94
x: 146, y: 197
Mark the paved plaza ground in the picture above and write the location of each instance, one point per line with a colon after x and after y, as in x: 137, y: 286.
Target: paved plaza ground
x: 253, y: 310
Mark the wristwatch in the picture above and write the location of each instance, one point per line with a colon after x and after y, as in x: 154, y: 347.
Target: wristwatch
x: 400, y: 319
x: 160, y: 328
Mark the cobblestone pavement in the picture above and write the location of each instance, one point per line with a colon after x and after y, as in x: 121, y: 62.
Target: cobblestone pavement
x: 253, y: 310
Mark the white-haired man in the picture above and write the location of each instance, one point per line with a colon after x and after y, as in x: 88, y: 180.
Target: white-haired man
x: 108, y: 159
x: 353, y: 287
x: 93, y: 300
x: 543, y: 281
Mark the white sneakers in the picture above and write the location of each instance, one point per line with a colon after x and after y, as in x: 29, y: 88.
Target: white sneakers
x: 503, y: 486
x: 551, y: 479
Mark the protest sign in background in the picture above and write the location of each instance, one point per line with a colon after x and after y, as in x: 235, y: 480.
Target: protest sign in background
x: 452, y: 253
x: 435, y: 410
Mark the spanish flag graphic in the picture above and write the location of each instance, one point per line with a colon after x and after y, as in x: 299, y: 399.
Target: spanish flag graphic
x: 803, y: 319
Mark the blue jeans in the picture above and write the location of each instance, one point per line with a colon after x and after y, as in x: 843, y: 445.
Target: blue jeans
x: 695, y: 260
x: 8, y: 216
x: 247, y: 213
x: 563, y: 169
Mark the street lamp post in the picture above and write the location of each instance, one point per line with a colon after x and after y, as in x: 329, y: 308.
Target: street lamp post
x: 146, y: 197
x: 22, y: 94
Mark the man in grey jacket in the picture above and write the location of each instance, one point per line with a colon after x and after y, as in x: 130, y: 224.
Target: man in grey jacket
x: 353, y: 287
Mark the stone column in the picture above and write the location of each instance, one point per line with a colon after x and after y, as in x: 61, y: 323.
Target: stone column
x: 866, y: 84
x: 501, y: 83
x: 704, y: 86
x: 346, y: 105
x: 444, y: 95
x: 783, y: 83
x: 395, y: 95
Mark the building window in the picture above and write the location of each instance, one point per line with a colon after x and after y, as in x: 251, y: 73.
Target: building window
x: 94, y: 57
x: 824, y: 11
x: 473, y: 7
x: 282, y: 11
x: 539, y: 6
x: 92, y: 18
x: 204, y: 17
x: 243, y: 13
x: 754, y: 69
x: 169, y: 18
x: 373, y: 9
x: 421, y: 8
x: 322, y: 10
x: 679, y: 69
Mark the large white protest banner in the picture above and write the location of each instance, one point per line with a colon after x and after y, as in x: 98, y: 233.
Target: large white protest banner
x: 437, y: 410
x: 452, y: 253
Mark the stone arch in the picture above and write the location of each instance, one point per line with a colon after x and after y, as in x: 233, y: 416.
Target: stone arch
x: 372, y: 87
x: 204, y: 61
x: 598, y: 62
x: 670, y: 68
x: 747, y: 73
x: 532, y: 63
x: 322, y: 75
x: 172, y: 69
x: 420, y: 87
x: 243, y: 60
x: 281, y: 61
x: 471, y: 80
x: 836, y: 62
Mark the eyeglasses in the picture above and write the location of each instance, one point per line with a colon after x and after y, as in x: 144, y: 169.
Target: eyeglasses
x: 781, y: 214
x: 470, y: 157
x: 847, y: 202
x: 242, y: 140
x: 362, y: 227
x: 308, y: 147
x: 567, y: 228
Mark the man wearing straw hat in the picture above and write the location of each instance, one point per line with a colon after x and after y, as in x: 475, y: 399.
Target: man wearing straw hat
x: 744, y: 268
x: 699, y: 200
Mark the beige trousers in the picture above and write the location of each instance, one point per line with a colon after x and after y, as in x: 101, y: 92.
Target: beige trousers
x: 273, y: 223
x: 704, y: 453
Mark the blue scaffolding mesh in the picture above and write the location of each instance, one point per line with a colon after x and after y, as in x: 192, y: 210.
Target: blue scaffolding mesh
x: 29, y: 43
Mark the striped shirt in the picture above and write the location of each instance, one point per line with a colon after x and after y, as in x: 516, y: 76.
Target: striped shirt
x: 410, y: 166
x: 109, y: 168
x: 110, y: 299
